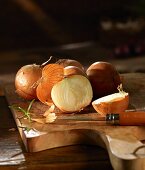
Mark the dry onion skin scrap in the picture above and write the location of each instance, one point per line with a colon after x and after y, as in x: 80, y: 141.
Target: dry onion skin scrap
x: 113, y: 103
x: 51, y: 74
x: 72, y: 94
x: 26, y: 81
x: 104, y: 78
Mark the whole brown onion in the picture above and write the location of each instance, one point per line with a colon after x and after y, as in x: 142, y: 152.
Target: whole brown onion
x: 70, y: 62
x: 104, y: 78
x: 26, y: 81
x: 73, y: 70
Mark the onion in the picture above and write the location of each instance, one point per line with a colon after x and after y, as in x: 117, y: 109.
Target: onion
x: 104, y: 78
x: 52, y: 109
x: 26, y: 81
x: 69, y: 62
x: 73, y: 70
x: 51, y: 74
x: 113, y: 103
x: 72, y: 94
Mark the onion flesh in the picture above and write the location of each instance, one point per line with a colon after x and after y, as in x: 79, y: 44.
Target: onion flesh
x: 72, y: 93
x: 113, y: 103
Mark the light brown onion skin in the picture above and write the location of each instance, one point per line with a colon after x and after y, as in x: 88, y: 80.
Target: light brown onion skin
x: 104, y: 78
x: 70, y: 62
x: 73, y: 70
x: 26, y: 81
x: 51, y: 74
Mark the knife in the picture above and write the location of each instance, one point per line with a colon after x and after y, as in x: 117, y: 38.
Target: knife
x: 127, y: 118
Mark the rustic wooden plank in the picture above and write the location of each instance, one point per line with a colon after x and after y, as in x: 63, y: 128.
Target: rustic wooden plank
x: 14, y: 156
x: 119, y: 141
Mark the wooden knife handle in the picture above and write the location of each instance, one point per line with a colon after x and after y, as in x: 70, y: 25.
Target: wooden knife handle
x: 130, y: 118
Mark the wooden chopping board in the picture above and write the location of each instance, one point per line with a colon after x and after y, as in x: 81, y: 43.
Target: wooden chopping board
x: 120, y: 141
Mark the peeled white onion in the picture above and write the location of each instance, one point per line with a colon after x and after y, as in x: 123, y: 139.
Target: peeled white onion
x: 104, y: 78
x: 72, y: 93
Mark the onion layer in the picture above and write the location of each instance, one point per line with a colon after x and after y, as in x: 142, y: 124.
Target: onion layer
x: 51, y: 74
x: 113, y: 103
x: 72, y: 93
x: 26, y: 81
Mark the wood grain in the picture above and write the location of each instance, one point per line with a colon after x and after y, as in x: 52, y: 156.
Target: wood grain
x: 13, y: 154
x: 119, y: 141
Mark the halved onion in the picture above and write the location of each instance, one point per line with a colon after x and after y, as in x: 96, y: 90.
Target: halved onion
x: 113, y: 103
x: 51, y: 74
x: 72, y: 94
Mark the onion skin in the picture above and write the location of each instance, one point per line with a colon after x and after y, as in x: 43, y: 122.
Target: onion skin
x: 26, y: 81
x: 117, y: 105
x: 51, y: 74
x: 104, y: 78
x: 73, y: 70
x: 69, y: 62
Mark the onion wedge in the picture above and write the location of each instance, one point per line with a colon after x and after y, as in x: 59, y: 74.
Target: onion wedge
x: 113, y: 103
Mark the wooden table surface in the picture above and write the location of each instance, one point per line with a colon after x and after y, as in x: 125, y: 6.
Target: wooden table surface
x: 14, y: 156
x: 12, y: 151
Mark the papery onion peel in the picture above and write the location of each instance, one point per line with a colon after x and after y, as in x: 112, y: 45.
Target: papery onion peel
x: 73, y: 70
x: 51, y: 74
x: 70, y: 62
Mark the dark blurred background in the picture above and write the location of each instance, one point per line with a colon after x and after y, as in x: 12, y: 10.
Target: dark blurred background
x: 86, y: 30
